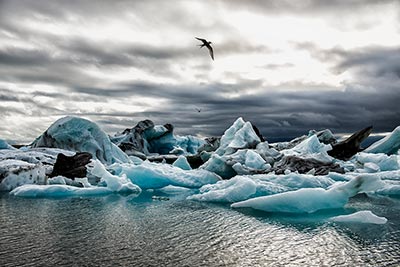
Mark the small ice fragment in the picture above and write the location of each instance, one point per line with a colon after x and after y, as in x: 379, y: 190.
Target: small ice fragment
x: 365, y: 216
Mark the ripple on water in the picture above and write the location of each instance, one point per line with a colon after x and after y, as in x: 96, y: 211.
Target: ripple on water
x: 121, y: 231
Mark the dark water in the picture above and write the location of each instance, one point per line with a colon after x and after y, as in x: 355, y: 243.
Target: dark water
x: 127, y: 231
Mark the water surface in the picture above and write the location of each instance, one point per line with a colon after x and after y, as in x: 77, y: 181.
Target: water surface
x: 139, y: 231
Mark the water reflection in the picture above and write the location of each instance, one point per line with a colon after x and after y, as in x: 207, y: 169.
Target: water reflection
x: 128, y: 230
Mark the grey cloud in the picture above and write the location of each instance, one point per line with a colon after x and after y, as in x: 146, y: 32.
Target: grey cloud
x: 367, y: 61
x: 275, y: 112
x: 306, y: 7
x: 277, y: 66
x: 288, y: 109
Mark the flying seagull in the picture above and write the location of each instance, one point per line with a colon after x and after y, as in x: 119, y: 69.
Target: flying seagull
x: 206, y: 44
x: 197, y: 109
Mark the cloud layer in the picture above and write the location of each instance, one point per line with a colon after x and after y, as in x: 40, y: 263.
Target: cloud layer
x: 286, y: 67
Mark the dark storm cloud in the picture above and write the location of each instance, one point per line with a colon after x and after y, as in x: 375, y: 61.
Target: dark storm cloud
x: 287, y: 109
x: 275, y: 112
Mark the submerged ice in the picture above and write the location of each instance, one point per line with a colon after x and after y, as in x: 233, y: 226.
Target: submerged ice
x: 240, y: 167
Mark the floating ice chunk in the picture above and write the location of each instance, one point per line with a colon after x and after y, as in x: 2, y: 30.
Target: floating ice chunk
x: 265, y: 184
x: 371, y: 167
x: 81, y: 135
x: 235, y: 189
x: 119, y: 184
x: 294, y: 181
x: 177, y: 150
x: 56, y: 180
x: 388, y: 145
x: 308, y: 200
x: 83, y: 181
x: 324, y: 136
x: 58, y: 190
x: 218, y: 165
x: 14, y: 173
x: 269, y: 154
x: 150, y: 175
x: 190, y: 144
x: 229, y: 135
x: 243, y: 161
x: 46, y: 156
x: 365, y: 216
x: 78, y: 182
x: 182, y: 163
x: 244, y: 170
x: 339, y: 177
x: 385, y: 162
x: 311, y: 148
x: 254, y: 160
x: 247, y: 162
x: 136, y: 160
x: 389, y: 190
x: 239, y: 135
x: 5, y: 145
x: 114, y: 184
x: 171, y: 189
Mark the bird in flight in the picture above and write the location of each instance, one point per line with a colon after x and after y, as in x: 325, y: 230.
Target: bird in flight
x: 207, y: 44
x: 197, y: 109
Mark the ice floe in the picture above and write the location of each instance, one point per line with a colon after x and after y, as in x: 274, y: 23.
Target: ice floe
x: 364, y: 216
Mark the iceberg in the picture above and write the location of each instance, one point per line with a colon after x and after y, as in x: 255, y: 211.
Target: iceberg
x: 235, y: 189
x: 243, y: 161
x: 118, y: 184
x: 14, y: 173
x: 218, y: 165
x: 383, y: 161
x: 241, y: 187
x: 309, y: 200
x: 146, y: 138
x: 182, y: 163
x: 364, y: 216
x: 114, y: 184
x: 310, y: 148
x: 240, y: 135
x: 46, y: 156
x: 324, y: 136
x: 5, y: 145
x: 81, y: 135
x: 389, y: 145
x: 389, y: 190
x: 150, y: 175
x: 58, y: 190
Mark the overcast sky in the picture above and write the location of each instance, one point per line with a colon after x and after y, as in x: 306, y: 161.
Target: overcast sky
x: 287, y: 66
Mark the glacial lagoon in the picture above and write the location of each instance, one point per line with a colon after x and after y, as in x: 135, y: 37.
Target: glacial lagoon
x: 117, y: 230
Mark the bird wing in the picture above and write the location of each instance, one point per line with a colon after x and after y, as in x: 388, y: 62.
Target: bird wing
x: 210, y: 49
x: 200, y: 39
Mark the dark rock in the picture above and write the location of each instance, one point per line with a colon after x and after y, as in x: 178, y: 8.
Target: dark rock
x: 301, y: 165
x: 71, y: 167
x: 346, y: 149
